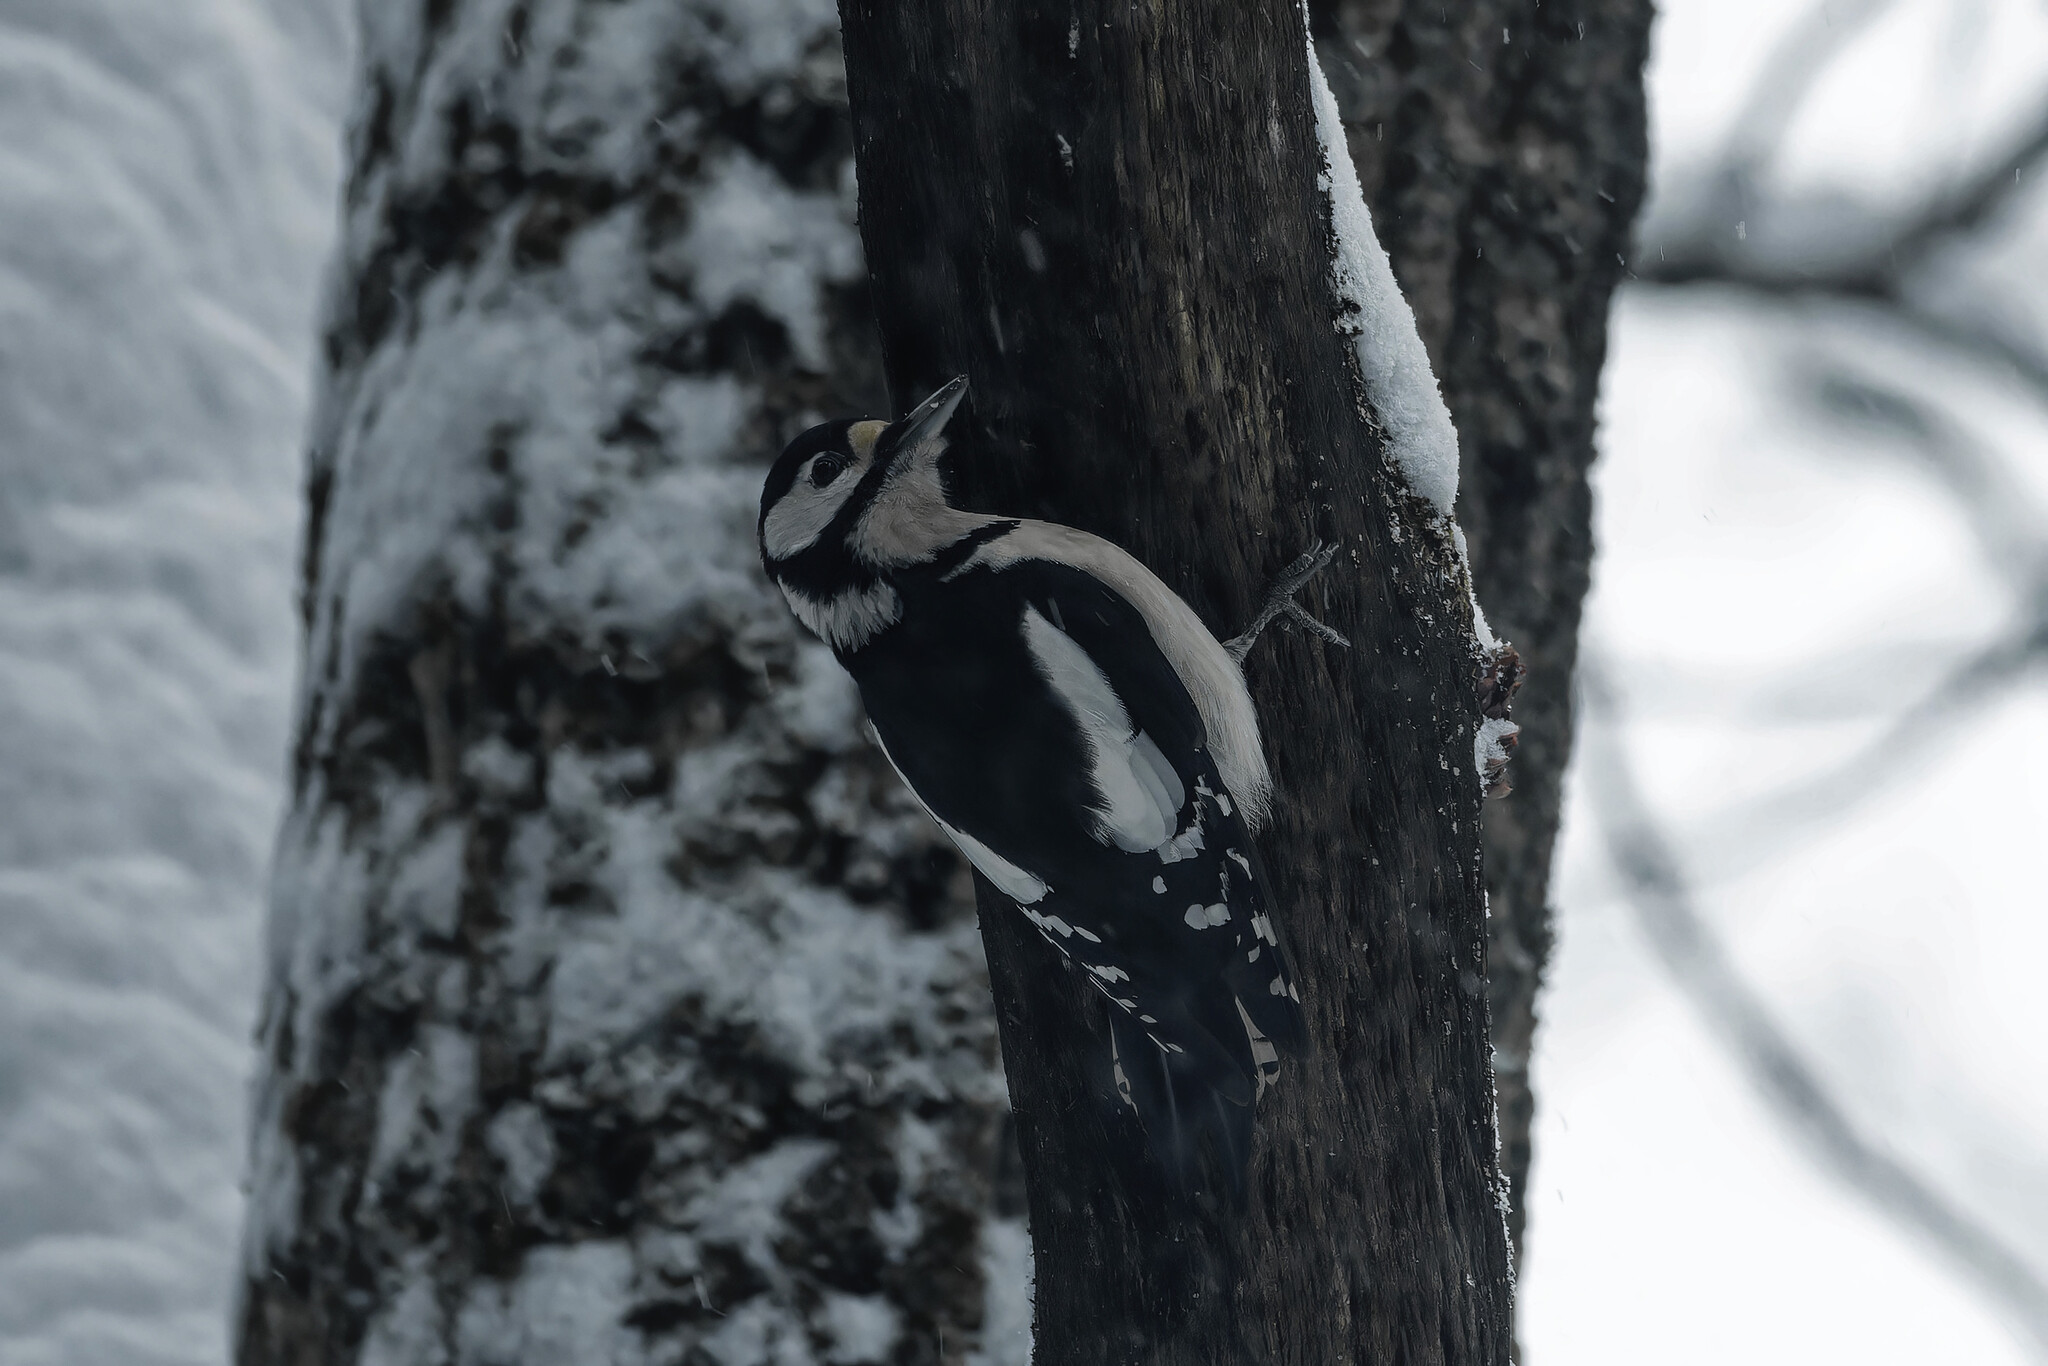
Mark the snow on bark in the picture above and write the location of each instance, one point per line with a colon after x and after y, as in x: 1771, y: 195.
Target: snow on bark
x: 1399, y: 384
x: 1402, y: 392
x: 622, y: 1007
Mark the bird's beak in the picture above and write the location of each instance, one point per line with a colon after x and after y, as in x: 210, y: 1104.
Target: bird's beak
x: 929, y: 418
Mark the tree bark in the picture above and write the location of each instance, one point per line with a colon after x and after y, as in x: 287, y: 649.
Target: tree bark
x: 1502, y: 144
x: 432, y: 1162
x: 1109, y: 218
x: 620, y: 1008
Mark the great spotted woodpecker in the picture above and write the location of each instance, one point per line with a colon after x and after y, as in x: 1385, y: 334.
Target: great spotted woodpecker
x: 1081, y: 736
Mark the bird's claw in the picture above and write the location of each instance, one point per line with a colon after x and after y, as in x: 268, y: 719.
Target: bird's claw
x: 1280, y: 602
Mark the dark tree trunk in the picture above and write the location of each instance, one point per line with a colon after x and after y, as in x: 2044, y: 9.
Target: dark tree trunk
x: 1502, y: 145
x: 621, y: 1008
x: 1109, y: 218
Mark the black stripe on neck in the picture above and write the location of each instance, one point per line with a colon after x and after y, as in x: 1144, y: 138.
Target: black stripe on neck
x: 958, y: 553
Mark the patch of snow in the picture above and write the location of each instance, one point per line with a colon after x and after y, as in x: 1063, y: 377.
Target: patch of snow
x: 428, y: 1094
x: 919, y: 1148
x: 747, y: 42
x: 166, y: 201
x: 813, y: 972
x: 1399, y: 383
x: 1006, y: 1305
x: 863, y: 1328
x: 498, y: 769
x: 410, y: 1327
x: 753, y: 237
x: 744, y: 1208
x: 758, y: 1333
x: 1489, y: 747
x: 519, y: 1137
x: 820, y: 705
x: 567, y: 1304
x: 1481, y: 631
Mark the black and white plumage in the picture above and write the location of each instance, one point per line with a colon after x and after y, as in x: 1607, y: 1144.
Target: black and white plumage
x: 1083, y: 739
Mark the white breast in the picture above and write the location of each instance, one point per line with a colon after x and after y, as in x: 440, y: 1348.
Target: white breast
x: 849, y: 618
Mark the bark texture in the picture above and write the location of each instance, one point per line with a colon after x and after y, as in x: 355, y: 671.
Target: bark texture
x: 1110, y: 218
x: 1502, y: 146
x: 620, y: 1009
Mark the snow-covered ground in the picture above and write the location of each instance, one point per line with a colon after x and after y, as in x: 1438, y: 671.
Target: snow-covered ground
x: 167, y: 180
x: 1772, y: 586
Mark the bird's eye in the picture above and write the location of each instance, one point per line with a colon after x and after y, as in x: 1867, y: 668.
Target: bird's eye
x: 827, y: 467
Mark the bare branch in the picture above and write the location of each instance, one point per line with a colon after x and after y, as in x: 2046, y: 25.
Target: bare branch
x: 1767, y: 827
x: 1978, y: 342
x: 1701, y: 966
x: 1788, y: 77
x: 1698, y: 250
x: 1791, y: 291
x: 1881, y: 254
x: 1971, y: 207
x: 2008, y: 533
x: 2002, y: 515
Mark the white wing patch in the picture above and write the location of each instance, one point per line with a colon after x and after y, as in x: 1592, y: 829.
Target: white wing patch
x: 1211, y: 676
x: 1139, y: 796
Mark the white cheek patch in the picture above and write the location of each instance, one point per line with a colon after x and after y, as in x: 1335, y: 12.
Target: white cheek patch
x: 910, y: 520
x: 801, y: 515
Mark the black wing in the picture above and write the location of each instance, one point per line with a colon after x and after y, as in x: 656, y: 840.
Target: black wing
x: 985, y: 698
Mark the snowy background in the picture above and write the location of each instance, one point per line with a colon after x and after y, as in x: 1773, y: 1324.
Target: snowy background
x: 1814, y: 513
x: 167, y: 187
x: 1811, y: 514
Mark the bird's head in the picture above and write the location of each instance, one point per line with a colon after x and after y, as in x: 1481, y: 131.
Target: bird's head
x: 847, y: 501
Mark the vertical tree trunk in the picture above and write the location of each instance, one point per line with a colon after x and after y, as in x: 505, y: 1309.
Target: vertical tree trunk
x: 1503, y: 147
x: 620, y: 1008
x: 1110, y: 218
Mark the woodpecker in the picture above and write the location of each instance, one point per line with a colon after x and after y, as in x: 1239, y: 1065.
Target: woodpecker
x: 1083, y: 739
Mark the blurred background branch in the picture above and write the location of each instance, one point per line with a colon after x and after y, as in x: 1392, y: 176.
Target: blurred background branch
x: 2010, y: 536
x: 1661, y: 896
x: 1728, y: 227
x: 1895, y: 330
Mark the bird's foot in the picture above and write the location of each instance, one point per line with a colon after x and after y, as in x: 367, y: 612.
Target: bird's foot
x: 1280, y: 603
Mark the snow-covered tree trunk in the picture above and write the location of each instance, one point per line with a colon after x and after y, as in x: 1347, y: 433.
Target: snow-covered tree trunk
x: 1502, y: 144
x: 619, y: 1008
x: 1137, y: 229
